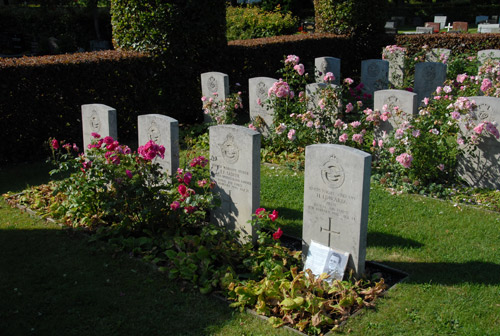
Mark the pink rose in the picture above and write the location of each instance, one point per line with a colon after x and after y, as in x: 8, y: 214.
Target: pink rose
x: 55, y: 144
x: 343, y: 137
x: 405, y: 160
x: 299, y: 68
x: 175, y: 205
x: 291, y: 135
x: 277, y: 235
x: 273, y: 215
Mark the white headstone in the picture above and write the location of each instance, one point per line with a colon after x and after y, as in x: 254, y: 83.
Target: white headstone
x: 482, y: 168
x: 163, y: 131
x: 336, y: 196
x: 438, y: 55
x: 405, y: 101
x: 483, y: 55
x: 100, y: 119
x: 488, y: 28
x: 327, y: 64
x: 441, y: 20
x: 258, y: 89
x: 428, y: 76
x: 214, y: 85
x: 396, y: 61
x: 425, y: 30
x: 235, y: 168
x: 374, y: 75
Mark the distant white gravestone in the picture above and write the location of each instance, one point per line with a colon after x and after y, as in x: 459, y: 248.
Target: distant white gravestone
x: 164, y: 131
x: 428, y: 76
x: 100, y: 119
x: 258, y: 88
x: 235, y: 168
x: 214, y: 85
x: 336, y: 195
x: 327, y: 64
x: 374, y: 75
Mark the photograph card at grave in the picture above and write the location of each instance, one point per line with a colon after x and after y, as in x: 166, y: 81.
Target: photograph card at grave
x: 164, y: 131
x: 258, y: 89
x: 100, y: 119
x: 336, y: 195
x: 323, y: 259
x: 235, y: 168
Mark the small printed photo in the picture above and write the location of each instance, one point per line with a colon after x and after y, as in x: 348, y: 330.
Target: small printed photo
x: 336, y: 264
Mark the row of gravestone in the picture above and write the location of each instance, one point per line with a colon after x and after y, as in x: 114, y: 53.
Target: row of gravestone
x: 479, y: 169
x: 396, y: 61
x: 336, y: 191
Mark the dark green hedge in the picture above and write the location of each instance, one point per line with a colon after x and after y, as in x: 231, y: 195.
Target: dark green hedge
x: 40, y: 97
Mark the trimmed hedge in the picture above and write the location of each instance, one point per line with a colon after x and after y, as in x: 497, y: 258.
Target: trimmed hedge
x: 41, y: 97
x: 457, y: 43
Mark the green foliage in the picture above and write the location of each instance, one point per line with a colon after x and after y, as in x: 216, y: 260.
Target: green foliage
x: 169, y: 27
x: 330, y: 115
x: 362, y: 17
x: 254, y: 22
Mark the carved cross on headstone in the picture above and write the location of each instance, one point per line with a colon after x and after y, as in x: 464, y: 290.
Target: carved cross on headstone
x: 329, y: 230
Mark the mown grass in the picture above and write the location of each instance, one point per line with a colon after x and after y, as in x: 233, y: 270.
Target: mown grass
x: 53, y: 282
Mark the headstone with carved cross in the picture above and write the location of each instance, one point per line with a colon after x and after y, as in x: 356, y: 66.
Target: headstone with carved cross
x: 163, y: 131
x: 336, y: 195
x: 100, y: 119
x: 235, y: 168
x: 481, y: 169
x: 401, y: 104
x: 326, y: 64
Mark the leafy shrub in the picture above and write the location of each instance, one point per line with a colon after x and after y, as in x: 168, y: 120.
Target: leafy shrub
x: 348, y: 16
x: 253, y: 22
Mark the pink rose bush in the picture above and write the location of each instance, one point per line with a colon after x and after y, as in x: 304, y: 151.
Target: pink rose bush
x: 111, y: 186
x: 222, y: 111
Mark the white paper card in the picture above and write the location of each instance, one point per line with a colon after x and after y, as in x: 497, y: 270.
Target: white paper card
x: 322, y: 259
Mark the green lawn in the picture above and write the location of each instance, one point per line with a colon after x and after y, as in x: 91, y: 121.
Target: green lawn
x: 54, y: 283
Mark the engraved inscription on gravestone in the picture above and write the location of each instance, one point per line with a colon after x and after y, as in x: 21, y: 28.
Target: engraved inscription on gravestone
x: 336, y: 193
x: 98, y: 118
x: 235, y: 168
x: 212, y: 84
x: 94, y: 122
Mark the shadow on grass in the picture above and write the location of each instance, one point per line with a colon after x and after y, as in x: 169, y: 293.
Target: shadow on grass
x: 382, y: 239
x: 443, y: 273
x: 18, y: 177
x: 53, y: 283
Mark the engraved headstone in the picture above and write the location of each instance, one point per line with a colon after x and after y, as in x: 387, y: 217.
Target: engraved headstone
x: 163, y: 131
x: 214, y: 85
x: 235, y: 168
x: 428, y: 76
x: 336, y: 196
x: 258, y: 89
x: 483, y: 55
x: 481, y: 169
x: 100, y: 119
x: 396, y: 60
x: 438, y: 55
x: 405, y: 101
x: 327, y: 64
x: 374, y: 75
x: 313, y: 94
